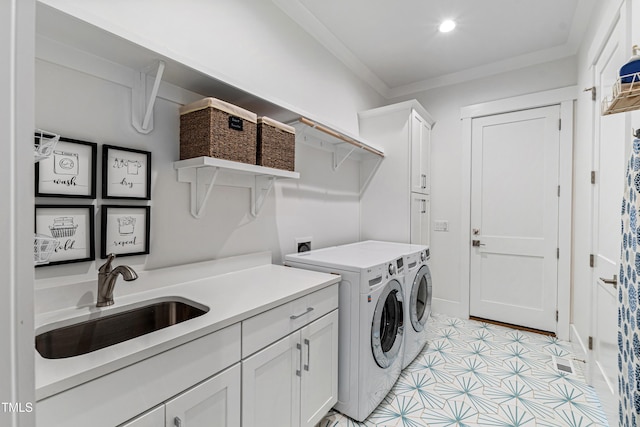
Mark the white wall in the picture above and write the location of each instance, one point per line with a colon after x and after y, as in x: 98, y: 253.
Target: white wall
x: 446, y: 150
x: 249, y: 43
x: 282, y: 63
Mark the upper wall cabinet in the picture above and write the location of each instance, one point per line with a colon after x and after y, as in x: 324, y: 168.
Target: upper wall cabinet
x: 395, y: 204
x: 420, y: 143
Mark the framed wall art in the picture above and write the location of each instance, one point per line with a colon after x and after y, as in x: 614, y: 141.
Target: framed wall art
x: 126, y: 173
x: 72, y: 226
x: 70, y: 171
x: 125, y: 230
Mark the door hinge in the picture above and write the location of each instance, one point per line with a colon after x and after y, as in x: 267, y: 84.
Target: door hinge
x: 557, y: 315
x: 558, y: 191
x: 592, y: 260
x: 593, y: 177
x: 590, y: 343
x: 592, y: 89
x: 559, y: 124
x: 558, y: 253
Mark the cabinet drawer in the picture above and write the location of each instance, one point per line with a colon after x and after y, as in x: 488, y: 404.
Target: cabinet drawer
x: 263, y: 329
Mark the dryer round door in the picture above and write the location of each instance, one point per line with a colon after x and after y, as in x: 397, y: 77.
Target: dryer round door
x: 387, y: 328
x: 420, y: 301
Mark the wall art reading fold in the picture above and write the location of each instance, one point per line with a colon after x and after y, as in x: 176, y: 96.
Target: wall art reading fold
x: 72, y: 226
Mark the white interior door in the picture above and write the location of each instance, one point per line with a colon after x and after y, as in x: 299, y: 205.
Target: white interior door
x: 609, y: 167
x: 514, y: 217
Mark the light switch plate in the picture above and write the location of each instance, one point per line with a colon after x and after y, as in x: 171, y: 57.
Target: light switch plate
x: 441, y: 225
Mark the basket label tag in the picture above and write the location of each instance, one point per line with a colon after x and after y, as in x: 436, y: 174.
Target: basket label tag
x: 235, y: 123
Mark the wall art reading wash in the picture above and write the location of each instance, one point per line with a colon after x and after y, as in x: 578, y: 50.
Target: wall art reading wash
x: 72, y: 226
x: 126, y: 173
x: 70, y: 171
x: 125, y: 230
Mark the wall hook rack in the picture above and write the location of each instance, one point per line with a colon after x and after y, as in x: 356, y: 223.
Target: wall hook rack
x: 143, y: 99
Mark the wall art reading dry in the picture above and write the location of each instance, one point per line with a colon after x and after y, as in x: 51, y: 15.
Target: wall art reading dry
x: 126, y: 173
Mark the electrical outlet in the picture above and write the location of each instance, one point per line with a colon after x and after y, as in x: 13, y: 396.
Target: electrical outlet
x: 303, y: 244
x: 440, y: 225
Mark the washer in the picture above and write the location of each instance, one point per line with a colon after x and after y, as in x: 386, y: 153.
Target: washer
x: 371, y: 323
x: 417, y: 290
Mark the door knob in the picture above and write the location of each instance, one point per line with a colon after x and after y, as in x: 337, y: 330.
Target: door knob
x: 477, y: 243
x: 613, y: 281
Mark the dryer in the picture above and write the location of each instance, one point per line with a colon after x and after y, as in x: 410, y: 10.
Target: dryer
x: 371, y: 323
x: 418, y: 294
x: 417, y: 290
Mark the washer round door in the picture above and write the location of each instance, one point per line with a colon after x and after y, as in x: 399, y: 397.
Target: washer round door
x: 387, y: 328
x: 420, y: 302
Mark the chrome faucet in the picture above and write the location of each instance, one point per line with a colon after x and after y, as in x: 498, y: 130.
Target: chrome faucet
x: 107, y: 280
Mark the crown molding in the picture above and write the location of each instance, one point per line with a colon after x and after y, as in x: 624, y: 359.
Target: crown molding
x: 301, y: 15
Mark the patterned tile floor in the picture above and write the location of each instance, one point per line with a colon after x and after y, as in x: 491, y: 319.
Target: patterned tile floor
x: 476, y: 374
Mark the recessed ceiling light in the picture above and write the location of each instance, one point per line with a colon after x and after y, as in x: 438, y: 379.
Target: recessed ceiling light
x: 447, y: 26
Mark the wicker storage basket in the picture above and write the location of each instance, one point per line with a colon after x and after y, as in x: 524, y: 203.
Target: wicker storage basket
x: 276, y: 144
x: 215, y: 128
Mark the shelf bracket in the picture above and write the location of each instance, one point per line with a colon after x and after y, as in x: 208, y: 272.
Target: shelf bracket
x: 142, y: 100
x: 338, y: 159
x: 261, y: 188
x: 202, y: 181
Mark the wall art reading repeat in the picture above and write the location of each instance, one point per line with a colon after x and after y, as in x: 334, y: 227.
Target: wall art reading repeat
x: 70, y: 171
x: 126, y: 173
x: 72, y: 226
x: 125, y: 230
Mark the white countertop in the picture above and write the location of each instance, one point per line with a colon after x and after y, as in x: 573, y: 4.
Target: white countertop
x: 231, y: 297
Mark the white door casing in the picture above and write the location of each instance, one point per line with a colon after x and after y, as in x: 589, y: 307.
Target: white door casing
x: 565, y: 98
x: 609, y: 167
x: 514, y: 217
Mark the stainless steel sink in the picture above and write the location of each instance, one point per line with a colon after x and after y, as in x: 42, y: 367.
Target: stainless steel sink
x: 87, y: 336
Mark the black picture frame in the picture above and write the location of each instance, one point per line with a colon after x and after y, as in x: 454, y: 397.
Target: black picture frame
x: 125, y: 230
x: 73, y: 226
x: 70, y: 171
x: 126, y: 173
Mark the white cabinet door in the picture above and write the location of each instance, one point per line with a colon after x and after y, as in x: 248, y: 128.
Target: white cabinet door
x: 319, y: 383
x: 420, y: 223
x: 152, y: 418
x: 213, y: 403
x: 271, y: 385
x: 420, y: 146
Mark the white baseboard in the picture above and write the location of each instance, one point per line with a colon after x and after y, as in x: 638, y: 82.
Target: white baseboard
x: 448, y: 307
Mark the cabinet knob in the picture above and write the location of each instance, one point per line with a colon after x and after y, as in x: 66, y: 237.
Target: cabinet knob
x: 177, y: 422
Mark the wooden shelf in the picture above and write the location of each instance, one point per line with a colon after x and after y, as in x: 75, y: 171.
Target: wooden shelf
x: 203, y: 173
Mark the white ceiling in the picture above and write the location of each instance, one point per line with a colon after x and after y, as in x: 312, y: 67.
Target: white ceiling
x: 395, y: 45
